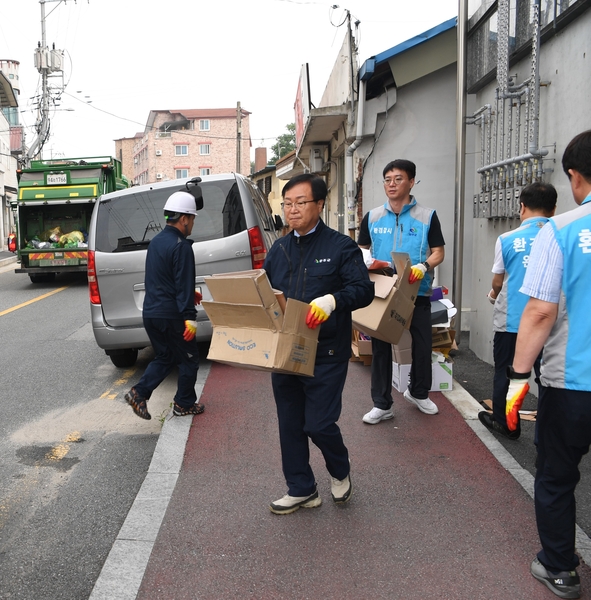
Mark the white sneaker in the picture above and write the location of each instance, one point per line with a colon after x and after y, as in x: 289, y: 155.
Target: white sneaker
x: 341, y: 489
x: 427, y: 406
x: 289, y: 504
x: 375, y: 415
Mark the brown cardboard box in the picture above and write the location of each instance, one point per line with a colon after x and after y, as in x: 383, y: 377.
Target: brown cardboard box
x: 440, y: 337
x: 402, y: 351
x: 364, y: 345
x: 391, y: 310
x: 250, y: 330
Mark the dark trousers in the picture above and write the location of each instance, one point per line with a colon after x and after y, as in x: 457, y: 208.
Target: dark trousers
x: 421, y: 375
x: 503, y: 354
x: 420, y: 370
x: 309, y: 407
x: 166, y: 336
x: 564, y: 435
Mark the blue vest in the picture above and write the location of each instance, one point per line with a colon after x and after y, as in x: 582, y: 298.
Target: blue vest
x: 565, y: 362
x: 407, y: 232
x: 516, y: 246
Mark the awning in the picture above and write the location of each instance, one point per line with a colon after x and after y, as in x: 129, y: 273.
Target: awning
x: 7, y: 95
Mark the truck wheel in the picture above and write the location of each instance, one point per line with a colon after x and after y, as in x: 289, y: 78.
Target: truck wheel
x: 124, y: 358
x: 42, y: 277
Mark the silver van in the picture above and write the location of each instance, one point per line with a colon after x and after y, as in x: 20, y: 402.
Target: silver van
x: 233, y: 232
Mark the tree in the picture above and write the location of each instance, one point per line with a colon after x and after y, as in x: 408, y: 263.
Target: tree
x: 285, y: 144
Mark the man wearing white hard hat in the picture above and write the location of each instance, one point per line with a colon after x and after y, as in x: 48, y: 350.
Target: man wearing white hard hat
x: 169, y: 312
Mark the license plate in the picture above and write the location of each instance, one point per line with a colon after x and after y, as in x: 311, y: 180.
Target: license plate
x: 58, y: 262
x: 57, y: 179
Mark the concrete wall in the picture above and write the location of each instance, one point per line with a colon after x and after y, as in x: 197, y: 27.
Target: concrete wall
x: 565, y: 96
x: 421, y: 126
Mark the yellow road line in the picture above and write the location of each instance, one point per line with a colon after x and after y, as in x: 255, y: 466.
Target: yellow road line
x: 60, y: 450
x: 9, y: 310
x: 110, y: 394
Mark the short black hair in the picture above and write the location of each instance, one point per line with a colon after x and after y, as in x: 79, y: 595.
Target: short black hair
x: 539, y: 196
x: 577, y: 155
x: 318, y: 185
x: 402, y: 165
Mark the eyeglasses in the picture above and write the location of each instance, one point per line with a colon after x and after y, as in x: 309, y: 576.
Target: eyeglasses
x: 396, y: 180
x: 299, y: 205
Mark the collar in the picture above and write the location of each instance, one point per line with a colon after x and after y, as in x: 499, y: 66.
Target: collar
x: 405, y: 207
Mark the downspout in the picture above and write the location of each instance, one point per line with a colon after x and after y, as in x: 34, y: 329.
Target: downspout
x: 458, y: 257
x: 349, y: 163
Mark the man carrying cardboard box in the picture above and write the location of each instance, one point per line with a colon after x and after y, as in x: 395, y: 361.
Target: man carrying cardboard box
x: 319, y: 266
x: 401, y: 224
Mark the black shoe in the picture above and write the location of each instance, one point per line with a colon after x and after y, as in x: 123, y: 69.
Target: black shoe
x: 565, y: 584
x: 181, y: 411
x: 137, y: 404
x: 493, y: 425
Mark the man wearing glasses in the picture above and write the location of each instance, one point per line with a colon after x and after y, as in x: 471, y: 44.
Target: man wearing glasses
x: 401, y: 224
x: 322, y: 267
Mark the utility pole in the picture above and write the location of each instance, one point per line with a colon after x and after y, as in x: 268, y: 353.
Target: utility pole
x: 46, y: 62
x: 238, y: 137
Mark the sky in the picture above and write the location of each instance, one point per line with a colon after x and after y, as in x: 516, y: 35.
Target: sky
x: 124, y: 58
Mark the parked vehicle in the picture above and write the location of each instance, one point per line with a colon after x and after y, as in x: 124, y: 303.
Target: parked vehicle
x: 233, y: 232
x: 53, y: 210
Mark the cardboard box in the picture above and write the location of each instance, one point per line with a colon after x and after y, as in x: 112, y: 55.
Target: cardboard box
x: 442, y: 374
x: 391, y: 310
x: 440, y: 337
x: 363, y: 343
x: 402, y: 351
x: 251, y: 331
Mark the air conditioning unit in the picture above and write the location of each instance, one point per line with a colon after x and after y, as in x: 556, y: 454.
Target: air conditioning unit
x: 158, y: 175
x: 158, y: 152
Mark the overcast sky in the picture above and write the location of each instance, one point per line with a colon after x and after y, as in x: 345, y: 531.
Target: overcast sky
x: 124, y: 58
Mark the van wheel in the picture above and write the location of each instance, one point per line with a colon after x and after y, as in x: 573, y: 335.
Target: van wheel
x: 124, y: 358
x: 41, y: 277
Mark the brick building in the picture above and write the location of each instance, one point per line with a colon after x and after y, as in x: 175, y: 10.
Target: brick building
x: 187, y: 143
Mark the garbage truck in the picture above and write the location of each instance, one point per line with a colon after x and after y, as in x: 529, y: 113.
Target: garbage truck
x: 52, y: 212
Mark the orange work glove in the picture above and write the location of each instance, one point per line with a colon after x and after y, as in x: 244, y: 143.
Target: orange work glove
x: 417, y: 272
x: 198, y: 297
x: 518, y: 388
x: 190, y: 330
x: 320, y: 309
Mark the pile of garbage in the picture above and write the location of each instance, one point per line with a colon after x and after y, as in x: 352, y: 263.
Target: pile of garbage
x: 54, y: 238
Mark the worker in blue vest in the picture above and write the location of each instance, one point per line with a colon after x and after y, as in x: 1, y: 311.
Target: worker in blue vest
x: 556, y: 318
x: 537, y: 205
x: 401, y: 224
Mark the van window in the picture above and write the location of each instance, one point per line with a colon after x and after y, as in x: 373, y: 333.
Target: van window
x: 129, y: 221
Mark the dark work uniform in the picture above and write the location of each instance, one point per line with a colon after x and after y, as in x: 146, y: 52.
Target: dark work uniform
x: 304, y: 268
x: 169, y: 302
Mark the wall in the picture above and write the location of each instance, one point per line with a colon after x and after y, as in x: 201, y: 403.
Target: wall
x: 421, y: 126
x: 565, y: 64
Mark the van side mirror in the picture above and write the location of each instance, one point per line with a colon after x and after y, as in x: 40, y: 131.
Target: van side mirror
x: 195, y: 190
x: 278, y: 223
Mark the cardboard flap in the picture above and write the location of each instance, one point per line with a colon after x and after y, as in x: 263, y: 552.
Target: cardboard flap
x: 294, y: 320
x: 244, y: 287
x: 244, y: 316
x: 383, y: 284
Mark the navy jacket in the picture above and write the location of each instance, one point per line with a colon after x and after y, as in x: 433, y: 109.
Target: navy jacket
x: 323, y: 262
x: 170, y: 277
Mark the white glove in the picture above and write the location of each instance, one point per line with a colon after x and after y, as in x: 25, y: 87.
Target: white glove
x: 320, y: 309
x: 492, y: 299
x: 367, y: 257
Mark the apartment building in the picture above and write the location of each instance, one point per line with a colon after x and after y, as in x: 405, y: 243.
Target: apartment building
x: 188, y: 143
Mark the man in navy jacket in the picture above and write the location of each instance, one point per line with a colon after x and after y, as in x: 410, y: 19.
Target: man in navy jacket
x: 322, y: 267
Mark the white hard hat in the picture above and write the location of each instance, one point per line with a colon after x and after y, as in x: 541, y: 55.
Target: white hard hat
x: 181, y: 202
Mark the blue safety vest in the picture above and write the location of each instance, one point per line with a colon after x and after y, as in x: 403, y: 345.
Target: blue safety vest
x: 515, y: 246
x: 406, y: 232
x: 566, y: 352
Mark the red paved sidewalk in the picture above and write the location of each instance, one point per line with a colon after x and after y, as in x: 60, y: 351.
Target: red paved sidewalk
x: 433, y: 514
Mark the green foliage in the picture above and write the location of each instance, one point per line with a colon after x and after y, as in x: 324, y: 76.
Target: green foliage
x: 284, y: 145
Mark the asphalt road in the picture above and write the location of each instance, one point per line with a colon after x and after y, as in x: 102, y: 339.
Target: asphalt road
x: 73, y: 453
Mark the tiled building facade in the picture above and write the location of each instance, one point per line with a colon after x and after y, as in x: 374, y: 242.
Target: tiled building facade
x: 187, y: 143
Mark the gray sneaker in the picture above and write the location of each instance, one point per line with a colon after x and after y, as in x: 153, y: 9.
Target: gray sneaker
x: 289, y: 504
x: 375, y: 415
x: 565, y: 584
x: 341, y: 489
x: 427, y: 406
